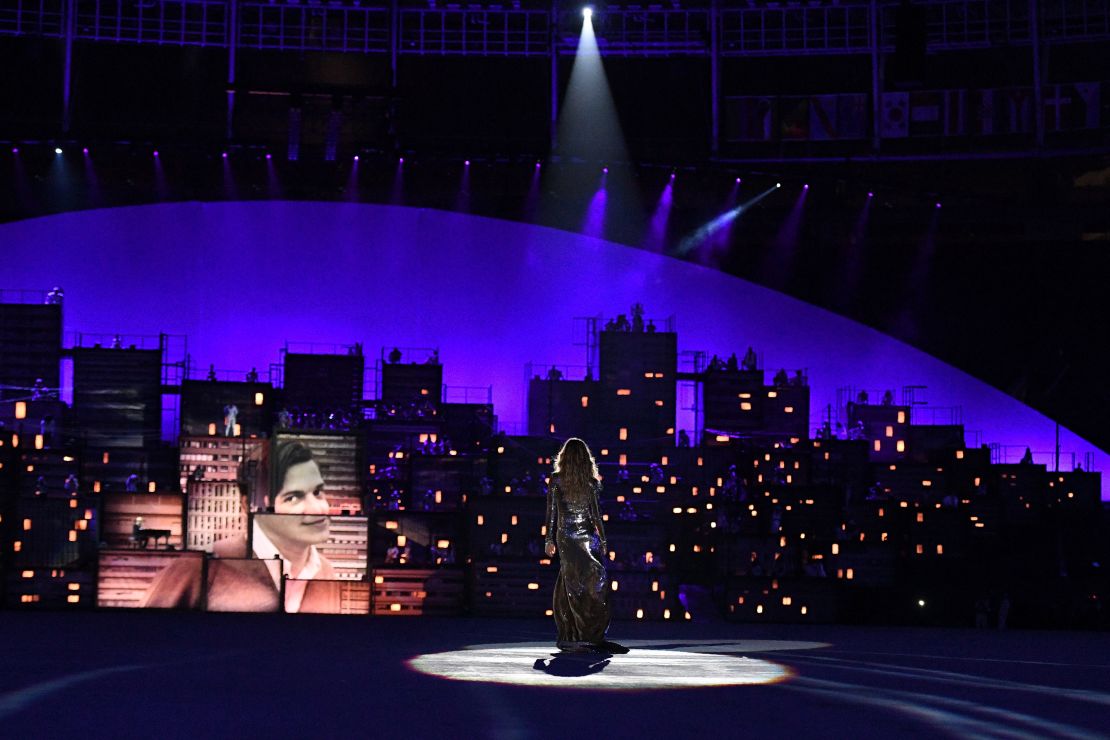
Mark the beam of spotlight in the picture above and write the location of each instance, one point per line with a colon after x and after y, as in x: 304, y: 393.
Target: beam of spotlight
x: 532, y: 200
x: 850, y: 269
x: 918, y: 283
x: 780, y: 259
x: 657, y: 230
x: 352, y: 181
x: 588, y: 130
x: 594, y: 223
x: 709, y: 230
x: 588, y: 125
x: 231, y: 192
x: 462, y: 200
x: 397, y: 192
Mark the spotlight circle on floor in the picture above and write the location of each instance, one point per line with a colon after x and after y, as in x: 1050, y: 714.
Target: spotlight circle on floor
x: 640, y: 669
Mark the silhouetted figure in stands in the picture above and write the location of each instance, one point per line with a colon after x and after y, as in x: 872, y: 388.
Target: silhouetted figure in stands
x: 55, y: 297
x: 394, y: 356
x: 732, y: 365
x: 132, y: 484
x: 212, y: 373
x: 622, y: 323
x: 40, y: 486
x: 799, y: 378
x: 117, y: 342
x: 861, y: 398
x: 285, y: 419
x: 982, y: 612
x: 38, y: 390
x: 1027, y: 458
x: 554, y: 373
x: 650, y: 327
x: 683, y: 438
x: 231, y: 416
x: 749, y: 362
x: 888, y: 398
x: 637, y: 317
x: 781, y: 378
x: 47, y: 429
x: 72, y: 485
x: 252, y: 376
x: 1003, y: 611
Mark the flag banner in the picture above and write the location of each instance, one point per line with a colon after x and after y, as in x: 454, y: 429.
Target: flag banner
x: 894, y: 123
x: 824, y: 117
x: 853, y: 116
x: 794, y: 118
x: 749, y: 118
x: 1072, y: 106
x: 926, y: 113
x: 955, y: 112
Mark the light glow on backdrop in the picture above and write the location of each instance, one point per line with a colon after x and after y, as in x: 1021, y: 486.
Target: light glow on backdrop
x: 240, y: 279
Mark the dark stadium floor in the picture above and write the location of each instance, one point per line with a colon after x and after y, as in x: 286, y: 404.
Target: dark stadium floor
x: 191, y: 675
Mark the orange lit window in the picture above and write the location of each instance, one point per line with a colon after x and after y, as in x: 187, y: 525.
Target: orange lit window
x: 745, y: 406
x: 878, y: 446
x: 901, y: 417
x: 585, y: 401
x: 623, y: 433
x: 624, y: 392
x: 901, y: 445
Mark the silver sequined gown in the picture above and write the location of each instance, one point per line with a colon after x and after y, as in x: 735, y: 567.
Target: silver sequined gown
x: 581, y: 599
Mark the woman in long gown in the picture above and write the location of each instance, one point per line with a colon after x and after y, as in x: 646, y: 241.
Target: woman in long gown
x: 575, y: 529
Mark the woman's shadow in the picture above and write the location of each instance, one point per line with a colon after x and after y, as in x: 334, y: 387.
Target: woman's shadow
x: 573, y: 665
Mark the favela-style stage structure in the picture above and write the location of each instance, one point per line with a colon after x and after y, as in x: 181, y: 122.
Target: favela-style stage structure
x: 749, y: 507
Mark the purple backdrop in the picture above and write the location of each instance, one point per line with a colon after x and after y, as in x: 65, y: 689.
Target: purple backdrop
x: 242, y: 278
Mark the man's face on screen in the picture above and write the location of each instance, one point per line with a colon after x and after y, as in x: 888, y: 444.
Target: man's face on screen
x: 302, y: 493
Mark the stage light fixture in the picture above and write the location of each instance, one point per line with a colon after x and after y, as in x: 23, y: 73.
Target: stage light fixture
x: 356, y: 157
x: 269, y: 156
x: 738, y: 181
x: 806, y: 186
x: 85, y: 150
x: 57, y: 150
x: 155, y: 152
x: 223, y: 154
x: 400, y: 160
x: 778, y: 184
x: 537, y: 165
x: 467, y: 163
x: 605, y: 170
x: 15, y: 150
x: 938, y: 204
x: 587, y: 12
x: 870, y: 194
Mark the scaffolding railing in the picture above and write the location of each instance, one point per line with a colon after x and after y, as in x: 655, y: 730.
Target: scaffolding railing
x: 492, y: 30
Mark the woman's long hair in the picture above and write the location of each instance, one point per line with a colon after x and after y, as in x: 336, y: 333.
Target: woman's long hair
x: 577, y: 470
